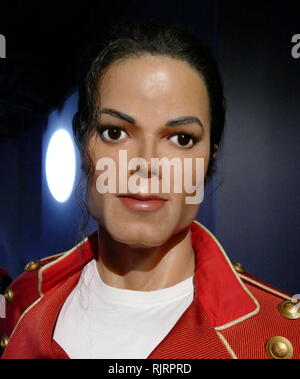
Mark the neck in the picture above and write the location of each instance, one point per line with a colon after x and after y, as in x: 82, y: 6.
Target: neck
x: 145, y: 268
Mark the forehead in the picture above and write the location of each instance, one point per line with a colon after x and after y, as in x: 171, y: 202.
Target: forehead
x: 155, y: 87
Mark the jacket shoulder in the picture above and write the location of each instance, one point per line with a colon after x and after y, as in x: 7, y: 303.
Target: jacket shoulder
x: 282, y: 305
x: 261, y: 287
x: 22, y: 292
x: 254, y: 282
x: 28, y: 281
x: 272, y: 330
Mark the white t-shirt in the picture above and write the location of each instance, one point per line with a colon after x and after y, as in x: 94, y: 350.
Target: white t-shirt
x: 104, y: 322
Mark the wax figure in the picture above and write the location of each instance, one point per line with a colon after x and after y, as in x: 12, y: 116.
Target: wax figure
x: 151, y: 282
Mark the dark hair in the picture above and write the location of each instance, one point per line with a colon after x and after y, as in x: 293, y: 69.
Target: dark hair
x: 137, y: 39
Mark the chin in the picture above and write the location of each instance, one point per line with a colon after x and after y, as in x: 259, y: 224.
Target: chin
x: 138, y: 235
x: 136, y: 229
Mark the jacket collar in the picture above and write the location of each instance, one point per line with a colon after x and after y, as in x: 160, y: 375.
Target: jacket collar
x: 218, y: 288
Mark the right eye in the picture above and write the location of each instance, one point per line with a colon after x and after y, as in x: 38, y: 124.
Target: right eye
x: 112, y: 134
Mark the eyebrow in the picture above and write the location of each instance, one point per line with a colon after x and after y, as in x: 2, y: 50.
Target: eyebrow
x: 174, y: 122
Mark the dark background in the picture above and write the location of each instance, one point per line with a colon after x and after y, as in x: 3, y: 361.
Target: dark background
x: 252, y: 203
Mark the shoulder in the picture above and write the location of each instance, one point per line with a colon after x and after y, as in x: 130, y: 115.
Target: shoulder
x: 285, y: 303
x: 40, y: 277
x: 22, y: 292
x: 259, y: 286
x: 28, y: 280
x: 273, y: 330
x: 269, y: 295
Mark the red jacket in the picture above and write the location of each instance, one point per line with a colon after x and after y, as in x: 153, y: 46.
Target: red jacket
x: 233, y: 315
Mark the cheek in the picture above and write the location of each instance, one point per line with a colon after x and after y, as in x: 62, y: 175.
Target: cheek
x: 94, y: 199
x: 195, y: 165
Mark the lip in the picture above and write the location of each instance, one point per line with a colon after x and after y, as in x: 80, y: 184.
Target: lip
x: 138, y: 202
x: 142, y: 197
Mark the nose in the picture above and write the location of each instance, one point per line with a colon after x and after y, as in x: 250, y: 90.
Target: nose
x: 146, y: 150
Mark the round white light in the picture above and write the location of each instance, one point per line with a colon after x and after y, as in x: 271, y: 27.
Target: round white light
x: 60, y: 165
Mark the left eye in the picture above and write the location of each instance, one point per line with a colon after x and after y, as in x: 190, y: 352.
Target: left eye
x: 183, y: 140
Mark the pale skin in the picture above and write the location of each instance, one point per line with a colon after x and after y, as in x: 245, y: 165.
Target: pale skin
x: 148, y: 251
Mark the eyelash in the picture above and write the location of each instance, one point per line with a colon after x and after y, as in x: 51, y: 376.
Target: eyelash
x: 191, y: 136
x: 102, y: 128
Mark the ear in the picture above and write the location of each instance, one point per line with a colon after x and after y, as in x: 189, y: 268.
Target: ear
x: 215, y: 150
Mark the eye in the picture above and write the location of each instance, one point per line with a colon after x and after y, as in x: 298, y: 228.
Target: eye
x: 184, y: 140
x: 112, y: 134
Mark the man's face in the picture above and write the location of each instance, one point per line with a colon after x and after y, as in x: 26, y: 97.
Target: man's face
x: 139, y: 97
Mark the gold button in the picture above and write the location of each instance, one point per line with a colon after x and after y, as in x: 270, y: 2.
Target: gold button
x: 4, y: 342
x: 279, y: 348
x: 9, y: 295
x: 32, y: 265
x: 289, y: 309
x: 238, y: 267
